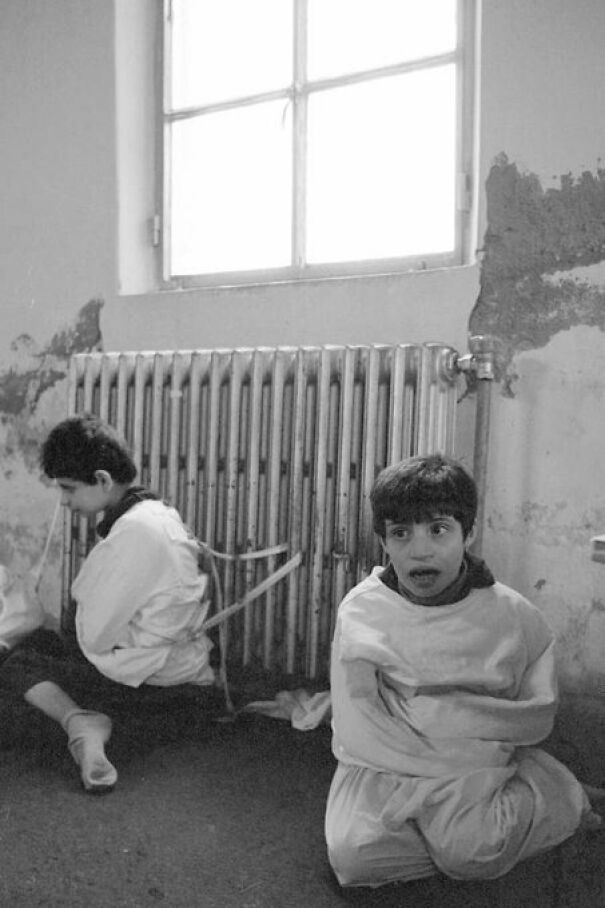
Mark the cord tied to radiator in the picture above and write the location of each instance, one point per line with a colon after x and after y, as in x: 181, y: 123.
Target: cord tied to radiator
x: 208, y: 557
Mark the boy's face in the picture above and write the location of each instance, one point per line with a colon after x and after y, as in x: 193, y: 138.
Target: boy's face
x: 426, y: 556
x: 83, y: 497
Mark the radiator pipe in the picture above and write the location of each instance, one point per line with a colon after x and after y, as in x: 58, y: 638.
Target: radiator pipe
x: 480, y: 365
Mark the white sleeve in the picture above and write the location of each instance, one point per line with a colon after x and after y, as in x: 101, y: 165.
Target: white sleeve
x: 526, y: 715
x: 364, y: 729
x: 117, y: 579
x: 523, y: 718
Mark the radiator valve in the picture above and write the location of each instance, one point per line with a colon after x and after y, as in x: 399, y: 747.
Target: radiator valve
x: 483, y: 361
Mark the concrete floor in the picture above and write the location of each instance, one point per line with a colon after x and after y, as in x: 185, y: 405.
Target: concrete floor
x: 230, y: 815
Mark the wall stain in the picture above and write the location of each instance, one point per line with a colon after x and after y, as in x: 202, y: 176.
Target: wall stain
x: 23, y: 425
x: 21, y: 388
x: 84, y: 336
x: 531, y: 234
x: 18, y: 538
x: 548, y: 525
x: 570, y: 642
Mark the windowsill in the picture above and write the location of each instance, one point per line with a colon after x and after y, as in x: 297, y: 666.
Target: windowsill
x: 270, y: 282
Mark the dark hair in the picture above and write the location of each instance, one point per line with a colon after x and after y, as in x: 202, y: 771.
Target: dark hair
x: 80, y: 445
x: 421, y: 488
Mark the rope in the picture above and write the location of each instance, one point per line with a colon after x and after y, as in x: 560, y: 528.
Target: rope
x: 223, y: 613
x: 245, y: 556
x: 254, y: 593
x: 222, y: 636
x: 37, y: 573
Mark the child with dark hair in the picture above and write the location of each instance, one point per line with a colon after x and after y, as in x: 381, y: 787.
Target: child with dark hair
x: 138, y: 602
x: 442, y: 683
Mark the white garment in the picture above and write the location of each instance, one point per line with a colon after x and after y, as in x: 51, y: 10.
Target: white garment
x: 139, y: 601
x: 435, y: 714
x: 304, y: 710
x: 21, y: 611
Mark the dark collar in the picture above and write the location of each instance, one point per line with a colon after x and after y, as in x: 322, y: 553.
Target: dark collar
x: 132, y: 496
x: 474, y: 574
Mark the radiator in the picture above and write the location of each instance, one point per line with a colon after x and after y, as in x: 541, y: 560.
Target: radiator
x: 261, y: 447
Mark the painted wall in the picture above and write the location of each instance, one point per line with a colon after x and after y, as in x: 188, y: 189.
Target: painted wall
x: 76, y: 278
x: 543, y: 293
x: 57, y: 240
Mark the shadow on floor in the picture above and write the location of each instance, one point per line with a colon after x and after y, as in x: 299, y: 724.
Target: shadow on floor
x: 230, y: 815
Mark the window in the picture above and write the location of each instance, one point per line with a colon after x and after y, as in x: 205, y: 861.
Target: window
x: 310, y: 137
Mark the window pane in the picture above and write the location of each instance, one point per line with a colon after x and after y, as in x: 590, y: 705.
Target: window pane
x: 230, y: 192
x: 381, y: 168
x: 351, y: 35
x: 230, y: 48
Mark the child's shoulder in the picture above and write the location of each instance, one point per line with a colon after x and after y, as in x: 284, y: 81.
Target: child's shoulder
x: 367, y: 590
x: 150, y: 517
x: 507, y: 599
x: 512, y: 596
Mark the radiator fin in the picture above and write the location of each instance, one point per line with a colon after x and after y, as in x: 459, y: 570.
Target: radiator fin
x: 262, y: 446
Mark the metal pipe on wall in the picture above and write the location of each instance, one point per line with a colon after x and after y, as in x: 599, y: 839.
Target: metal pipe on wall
x: 480, y: 364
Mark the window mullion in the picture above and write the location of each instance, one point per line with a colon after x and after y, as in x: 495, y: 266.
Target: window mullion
x: 189, y: 113
x: 467, y: 127
x: 166, y: 130
x: 299, y: 134
x: 315, y: 160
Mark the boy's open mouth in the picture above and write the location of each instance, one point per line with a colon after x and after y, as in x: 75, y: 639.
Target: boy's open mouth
x: 423, y: 576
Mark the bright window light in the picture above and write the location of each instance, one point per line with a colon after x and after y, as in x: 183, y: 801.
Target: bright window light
x: 310, y: 137
x: 230, y: 48
x: 405, y: 203
x: 349, y: 35
x: 231, y: 199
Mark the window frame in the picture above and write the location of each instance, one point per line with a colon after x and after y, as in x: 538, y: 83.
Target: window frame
x: 464, y: 57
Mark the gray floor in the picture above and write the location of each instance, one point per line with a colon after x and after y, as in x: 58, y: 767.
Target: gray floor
x: 231, y: 814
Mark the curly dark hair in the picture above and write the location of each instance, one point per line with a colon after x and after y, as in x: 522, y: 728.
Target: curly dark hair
x: 80, y: 445
x: 421, y: 488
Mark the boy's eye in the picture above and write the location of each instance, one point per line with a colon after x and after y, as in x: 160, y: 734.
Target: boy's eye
x: 438, y: 529
x: 399, y: 532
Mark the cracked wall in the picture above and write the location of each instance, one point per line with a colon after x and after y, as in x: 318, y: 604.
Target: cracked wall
x: 538, y: 249
x: 35, y: 370
x: 32, y: 398
x: 542, y: 274
x: 57, y: 244
x: 542, y: 293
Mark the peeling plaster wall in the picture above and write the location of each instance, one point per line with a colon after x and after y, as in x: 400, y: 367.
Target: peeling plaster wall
x: 539, y: 244
x: 539, y: 285
x: 32, y: 399
x: 62, y: 230
x: 542, y: 293
x: 57, y: 256
x: 546, y: 473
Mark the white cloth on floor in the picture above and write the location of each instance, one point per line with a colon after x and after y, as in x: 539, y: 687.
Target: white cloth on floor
x: 436, y: 711
x: 304, y: 710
